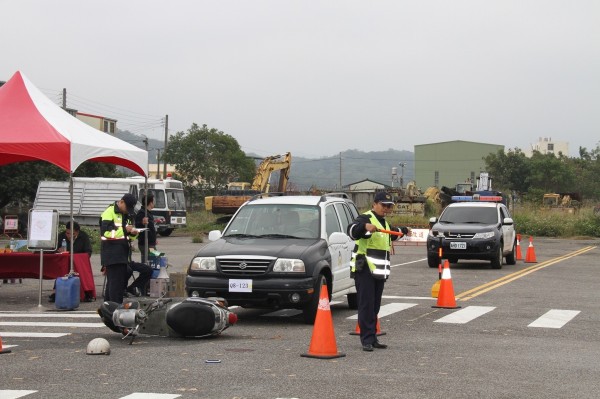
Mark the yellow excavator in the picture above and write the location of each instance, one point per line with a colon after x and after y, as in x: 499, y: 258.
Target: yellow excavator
x: 239, y: 192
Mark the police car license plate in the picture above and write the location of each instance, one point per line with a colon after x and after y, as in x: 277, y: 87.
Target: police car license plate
x: 458, y: 245
x: 237, y: 285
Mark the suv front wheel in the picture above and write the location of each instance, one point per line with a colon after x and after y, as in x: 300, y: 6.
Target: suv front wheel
x: 497, y: 260
x: 432, y: 260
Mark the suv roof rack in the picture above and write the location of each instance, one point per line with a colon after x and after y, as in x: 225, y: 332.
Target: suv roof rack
x: 266, y: 195
x: 336, y: 194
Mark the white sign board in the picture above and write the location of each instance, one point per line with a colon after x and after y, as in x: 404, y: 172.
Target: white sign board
x: 42, y: 232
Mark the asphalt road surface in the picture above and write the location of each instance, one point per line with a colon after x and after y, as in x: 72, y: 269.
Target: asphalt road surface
x: 526, y: 330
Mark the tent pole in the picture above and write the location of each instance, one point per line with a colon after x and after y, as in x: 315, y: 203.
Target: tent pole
x: 147, y: 254
x: 71, y: 225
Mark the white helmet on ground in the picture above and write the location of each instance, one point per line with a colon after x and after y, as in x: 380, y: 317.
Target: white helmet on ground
x: 98, y: 346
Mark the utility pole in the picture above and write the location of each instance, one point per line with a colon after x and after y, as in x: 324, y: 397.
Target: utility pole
x: 340, y: 171
x: 158, y: 163
x: 165, y: 149
x: 145, y: 141
x: 64, y: 99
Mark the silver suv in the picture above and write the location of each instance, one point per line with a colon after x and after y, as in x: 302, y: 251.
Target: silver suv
x: 278, y: 252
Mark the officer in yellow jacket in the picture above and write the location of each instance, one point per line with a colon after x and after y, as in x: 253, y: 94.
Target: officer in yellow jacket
x: 370, y: 265
x: 116, y: 231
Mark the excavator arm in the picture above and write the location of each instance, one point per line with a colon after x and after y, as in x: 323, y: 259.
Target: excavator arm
x: 269, y: 165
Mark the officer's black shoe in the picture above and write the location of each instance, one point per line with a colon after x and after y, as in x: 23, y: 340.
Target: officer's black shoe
x: 51, y: 298
x: 379, y: 345
x: 368, y: 347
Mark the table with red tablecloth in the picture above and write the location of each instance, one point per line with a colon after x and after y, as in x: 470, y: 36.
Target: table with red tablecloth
x: 27, y: 265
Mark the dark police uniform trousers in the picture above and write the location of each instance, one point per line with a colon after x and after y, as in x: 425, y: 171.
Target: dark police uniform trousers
x: 369, y: 291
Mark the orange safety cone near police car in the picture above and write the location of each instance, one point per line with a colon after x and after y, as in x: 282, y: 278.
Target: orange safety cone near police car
x: 446, y: 298
x: 530, y: 256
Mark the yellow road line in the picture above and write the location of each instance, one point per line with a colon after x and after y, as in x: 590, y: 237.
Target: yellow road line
x: 472, y: 293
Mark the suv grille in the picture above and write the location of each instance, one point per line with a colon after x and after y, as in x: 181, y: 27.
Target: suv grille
x: 458, y: 235
x: 244, y: 266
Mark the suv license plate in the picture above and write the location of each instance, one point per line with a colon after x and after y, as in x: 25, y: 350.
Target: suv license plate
x: 236, y: 285
x: 458, y: 245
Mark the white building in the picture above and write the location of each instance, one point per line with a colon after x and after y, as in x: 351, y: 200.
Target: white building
x: 546, y: 145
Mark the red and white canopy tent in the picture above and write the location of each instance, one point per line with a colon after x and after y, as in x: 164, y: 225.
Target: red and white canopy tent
x: 33, y: 128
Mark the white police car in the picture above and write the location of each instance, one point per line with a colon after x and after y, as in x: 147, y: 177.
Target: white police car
x: 476, y: 227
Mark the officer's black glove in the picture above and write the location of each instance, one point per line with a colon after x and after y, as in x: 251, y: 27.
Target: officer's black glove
x: 404, y: 230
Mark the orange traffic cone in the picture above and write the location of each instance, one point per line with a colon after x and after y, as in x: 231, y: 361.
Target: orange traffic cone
x: 3, y: 350
x: 530, y: 256
x: 322, y: 343
x: 446, y: 298
x: 519, y: 255
x: 377, y: 329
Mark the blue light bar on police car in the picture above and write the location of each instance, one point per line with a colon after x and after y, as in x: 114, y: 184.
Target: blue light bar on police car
x: 480, y: 198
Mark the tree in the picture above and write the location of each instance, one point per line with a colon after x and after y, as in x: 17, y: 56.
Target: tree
x: 510, y: 170
x: 208, y: 157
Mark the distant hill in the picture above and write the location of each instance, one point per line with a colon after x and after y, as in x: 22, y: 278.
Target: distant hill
x: 324, y: 172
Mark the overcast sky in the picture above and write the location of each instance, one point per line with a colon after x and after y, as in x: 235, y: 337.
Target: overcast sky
x: 319, y: 77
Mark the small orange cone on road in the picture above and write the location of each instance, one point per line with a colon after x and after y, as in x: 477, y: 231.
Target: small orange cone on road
x: 3, y: 350
x: 446, y: 298
x: 377, y: 329
x: 519, y: 254
x: 322, y: 343
x: 530, y: 256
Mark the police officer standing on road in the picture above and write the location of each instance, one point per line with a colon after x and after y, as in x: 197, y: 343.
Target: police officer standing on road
x: 116, y: 229
x: 370, y: 265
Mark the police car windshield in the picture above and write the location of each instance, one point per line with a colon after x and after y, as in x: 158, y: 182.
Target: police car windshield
x: 486, y: 215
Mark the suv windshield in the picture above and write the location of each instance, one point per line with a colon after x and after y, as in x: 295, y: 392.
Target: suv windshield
x: 485, y: 215
x: 300, y: 221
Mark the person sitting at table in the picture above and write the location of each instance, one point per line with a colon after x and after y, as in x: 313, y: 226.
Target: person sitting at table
x: 81, y: 244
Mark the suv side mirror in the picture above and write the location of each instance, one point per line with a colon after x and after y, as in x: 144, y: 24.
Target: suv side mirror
x: 214, y: 235
x: 508, y: 221
x: 432, y: 221
x: 338, y: 238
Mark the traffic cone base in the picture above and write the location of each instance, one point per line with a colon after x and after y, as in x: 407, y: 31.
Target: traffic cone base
x: 322, y: 343
x: 3, y: 350
x: 446, y: 298
x: 378, y: 331
x: 530, y: 256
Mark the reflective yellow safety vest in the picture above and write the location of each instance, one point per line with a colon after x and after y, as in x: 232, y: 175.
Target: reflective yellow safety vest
x: 118, y: 232
x: 376, y: 250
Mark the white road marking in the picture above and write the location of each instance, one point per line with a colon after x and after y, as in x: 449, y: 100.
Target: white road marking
x: 50, y: 315
x: 388, y: 309
x: 32, y: 334
x: 149, y: 395
x: 14, y: 394
x: 49, y: 324
x: 465, y: 315
x: 408, y: 263
x: 554, y: 318
x: 408, y: 297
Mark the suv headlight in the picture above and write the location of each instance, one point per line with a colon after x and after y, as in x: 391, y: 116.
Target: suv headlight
x: 204, y: 264
x: 488, y: 234
x: 283, y: 265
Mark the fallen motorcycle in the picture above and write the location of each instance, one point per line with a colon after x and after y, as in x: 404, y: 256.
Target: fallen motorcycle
x: 168, y: 317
